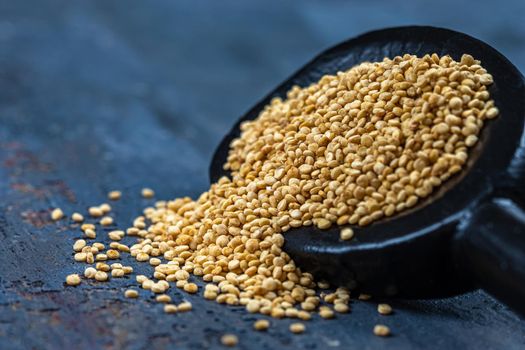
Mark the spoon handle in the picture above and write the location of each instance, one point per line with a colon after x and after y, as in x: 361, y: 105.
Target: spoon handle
x: 491, y: 250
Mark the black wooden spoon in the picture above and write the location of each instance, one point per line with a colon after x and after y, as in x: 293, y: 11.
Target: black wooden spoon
x: 470, y: 233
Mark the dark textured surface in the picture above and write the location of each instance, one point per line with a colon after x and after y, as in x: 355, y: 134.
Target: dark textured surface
x: 103, y: 95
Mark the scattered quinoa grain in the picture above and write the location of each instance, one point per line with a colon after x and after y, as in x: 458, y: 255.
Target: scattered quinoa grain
x: 116, y: 235
x: 191, y: 288
x: 346, y: 234
x: 184, y: 306
x: 163, y: 298
x: 105, y: 208
x: 170, y: 308
x: 297, y: 328
x: 79, y: 245
x: 77, y: 217
x: 95, y: 212
x: 261, y: 325
x: 101, y: 276
x: 102, y: 267
x: 106, y: 221
x: 114, y: 195
x: 229, y: 340
x: 381, y: 330
x: 326, y: 313
x: 91, y: 234
x: 147, y: 193
x: 384, y: 309
x: 73, y: 280
x: 57, y: 214
x: 131, y: 293
x: 90, y: 272
x: 117, y: 273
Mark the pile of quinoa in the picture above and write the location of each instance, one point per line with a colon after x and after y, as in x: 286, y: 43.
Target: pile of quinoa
x: 350, y: 149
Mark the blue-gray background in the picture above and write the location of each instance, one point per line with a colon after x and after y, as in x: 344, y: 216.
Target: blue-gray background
x: 97, y: 95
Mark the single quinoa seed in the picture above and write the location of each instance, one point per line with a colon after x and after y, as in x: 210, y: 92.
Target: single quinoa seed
x: 73, y: 279
x: 170, y: 308
x: 229, y: 340
x: 184, y: 306
x: 95, y: 212
x: 105, y: 208
x: 297, y: 328
x: 261, y: 325
x: 163, y: 298
x: 147, y: 193
x: 346, y: 234
x: 381, y: 330
x: 90, y: 272
x: 57, y: 214
x: 384, y: 309
x: 77, y: 217
x: 114, y: 195
x: 131, y: 293
x: 106, y: 221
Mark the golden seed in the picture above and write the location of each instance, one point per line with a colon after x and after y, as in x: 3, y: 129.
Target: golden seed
x: 101, y: 276
x: 384, y: 309
x: 85, y: 227
x: 304, y: 315
x: 341, y: 307
x: 91, y: 234
x: 297, y: 328
x: 326, y: 313
x: 80, y: 257
x: 141, y: 278
x: 73, y: 279
x: 148, y: 193
x: 116, y: 235
x: 90, y: 272
x: 191, y: 288
x: 77, y: 217
x: 170, y: 308
x: 112, y: 254
x: 117, y: 273
x: 261, y: 325
x: 106, y: 221
x: 324, y: 224
x: 95, y: 212
x: 105, y: 208
x: 229, y: 340
x: 131, y: 293
x: 492, y: 113
x: 163, y: 298
x: 346, y: 234
x: 253, y: 306
x: 471, y: 140
x: 102, y: 267
x: 381, y: 330
x: 181, y: 275
x: 79, y: 245
x: 101, y: 257
x: 184, y: 306
x: 114, y: 195
x: 154, y: 262
x: 455, y: 103
x: 57, y: 214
